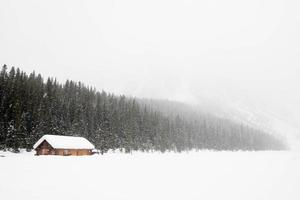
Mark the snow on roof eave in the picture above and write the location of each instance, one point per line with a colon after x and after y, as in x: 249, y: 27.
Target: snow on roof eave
x: 65, y: 142
x: 37, y: 144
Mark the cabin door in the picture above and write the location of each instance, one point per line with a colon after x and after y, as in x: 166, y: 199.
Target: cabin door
x: 45, y: 151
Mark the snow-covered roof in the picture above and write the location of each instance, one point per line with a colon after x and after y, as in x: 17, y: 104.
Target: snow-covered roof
x: 65, y: 142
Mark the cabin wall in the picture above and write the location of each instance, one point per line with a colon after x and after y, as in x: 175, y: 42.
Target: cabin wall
x: 84, y: 152
x: 64, y: 152
x: 59, y: 152
x: 45, y: 149
x: 73, y: 152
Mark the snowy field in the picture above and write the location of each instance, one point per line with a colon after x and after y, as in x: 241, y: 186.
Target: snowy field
x: 153, y: 176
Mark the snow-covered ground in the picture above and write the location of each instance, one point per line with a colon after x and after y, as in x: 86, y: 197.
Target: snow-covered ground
x: 154, y: 176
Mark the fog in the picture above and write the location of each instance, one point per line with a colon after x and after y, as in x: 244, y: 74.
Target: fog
x: 234, y: 56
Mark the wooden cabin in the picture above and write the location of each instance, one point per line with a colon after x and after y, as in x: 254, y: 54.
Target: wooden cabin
x: 63, y: 146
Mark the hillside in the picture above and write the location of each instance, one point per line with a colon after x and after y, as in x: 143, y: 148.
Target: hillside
x: 31, y: 107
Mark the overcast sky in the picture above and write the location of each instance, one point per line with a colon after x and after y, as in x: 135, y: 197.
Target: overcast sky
x: 186, y: 50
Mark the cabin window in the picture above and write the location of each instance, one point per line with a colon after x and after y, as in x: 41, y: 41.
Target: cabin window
x: 66, y: 152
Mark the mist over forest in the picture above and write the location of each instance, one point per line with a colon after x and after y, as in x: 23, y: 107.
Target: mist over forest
x: 32, y: 106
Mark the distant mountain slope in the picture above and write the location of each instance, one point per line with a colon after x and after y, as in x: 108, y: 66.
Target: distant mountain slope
x: 257, y: 116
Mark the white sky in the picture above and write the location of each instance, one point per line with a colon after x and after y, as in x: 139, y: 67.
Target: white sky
x: 185, y: 50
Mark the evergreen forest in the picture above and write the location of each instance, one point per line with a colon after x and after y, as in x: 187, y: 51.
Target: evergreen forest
x: 31, y: 106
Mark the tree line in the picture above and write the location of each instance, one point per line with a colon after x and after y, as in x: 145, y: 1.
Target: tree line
x: 31, y: 107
